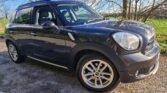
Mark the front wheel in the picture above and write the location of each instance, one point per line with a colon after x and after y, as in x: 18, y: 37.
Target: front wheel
x: 97, y: 74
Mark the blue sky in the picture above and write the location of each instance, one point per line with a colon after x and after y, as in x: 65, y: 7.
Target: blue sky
x: 13, y: 4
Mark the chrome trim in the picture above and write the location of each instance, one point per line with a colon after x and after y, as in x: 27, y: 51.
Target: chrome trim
x: 48, y: 62
x: 71, y: 36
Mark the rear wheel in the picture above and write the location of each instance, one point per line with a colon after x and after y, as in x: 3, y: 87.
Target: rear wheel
x: 14, y: 53
x: 97, y: 74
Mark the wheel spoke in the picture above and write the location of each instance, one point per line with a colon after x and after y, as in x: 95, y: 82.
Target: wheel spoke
x: 105, y: 73
x: 92, y: 65
x: 103, y: 68
x: 12, y: 49
x: 12, y: 55
x: 103, y: 77
x: 88, y: 68
x: 101, y: 83
x: 90, y: 78
x: 98, y: 68
x: 88, y: 74
x: 96, y: 82
x: 15, y: 55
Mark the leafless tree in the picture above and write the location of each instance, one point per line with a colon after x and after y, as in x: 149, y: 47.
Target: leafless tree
x: 132, y: 9
x: 4, y: 10
x: 154, y: 7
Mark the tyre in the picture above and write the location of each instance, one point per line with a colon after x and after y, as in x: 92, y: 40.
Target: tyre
x: 14, y: 53
x: 97, y: 73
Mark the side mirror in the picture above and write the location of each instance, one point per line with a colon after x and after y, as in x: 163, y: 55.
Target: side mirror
x: 49, y: 25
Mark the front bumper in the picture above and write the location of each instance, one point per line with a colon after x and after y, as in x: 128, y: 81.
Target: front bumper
x: 139, y: 65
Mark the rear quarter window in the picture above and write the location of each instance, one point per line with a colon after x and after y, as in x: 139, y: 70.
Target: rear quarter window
x: 23, y: 16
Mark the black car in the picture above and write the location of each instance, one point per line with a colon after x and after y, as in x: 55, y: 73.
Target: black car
x: 70, y: 35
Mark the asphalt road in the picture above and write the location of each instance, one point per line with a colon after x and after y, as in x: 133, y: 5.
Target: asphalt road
x: 34, y: 77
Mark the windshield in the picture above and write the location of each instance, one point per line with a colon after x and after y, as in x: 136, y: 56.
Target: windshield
x: 77, y: 14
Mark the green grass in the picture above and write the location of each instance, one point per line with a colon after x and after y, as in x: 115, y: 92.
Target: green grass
x: 160, y: 26
x: 1, y: 34
x: 3, y: 23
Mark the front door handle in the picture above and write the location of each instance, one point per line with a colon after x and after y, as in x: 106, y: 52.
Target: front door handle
x: 33, y: 34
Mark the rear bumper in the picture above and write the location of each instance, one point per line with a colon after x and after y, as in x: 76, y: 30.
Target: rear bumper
x: 139, y: 65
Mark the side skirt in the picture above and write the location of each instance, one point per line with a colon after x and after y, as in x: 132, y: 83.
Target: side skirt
x: 42, y: 61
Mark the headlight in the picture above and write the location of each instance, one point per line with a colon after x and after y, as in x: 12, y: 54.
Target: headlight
x: 127, y: 40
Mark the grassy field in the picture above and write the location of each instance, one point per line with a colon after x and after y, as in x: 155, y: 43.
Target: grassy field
x: 1, y: 34
x: 159, y: 24
x: 3, y: 23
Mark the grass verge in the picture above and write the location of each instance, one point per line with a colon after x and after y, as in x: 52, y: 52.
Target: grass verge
x: 160, y: 26
x: 1, y: 34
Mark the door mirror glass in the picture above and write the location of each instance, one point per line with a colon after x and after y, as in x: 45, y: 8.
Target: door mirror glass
x: 49, y: 25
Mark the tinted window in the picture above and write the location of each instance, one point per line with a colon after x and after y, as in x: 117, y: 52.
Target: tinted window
x: 23, y: 16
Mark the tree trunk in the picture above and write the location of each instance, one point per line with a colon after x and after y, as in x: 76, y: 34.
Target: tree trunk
x: 125, y: 8
x: 6, y: 15
x: 135, y: 15
x: 129, y: 15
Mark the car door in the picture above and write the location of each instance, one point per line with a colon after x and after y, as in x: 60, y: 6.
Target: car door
x: 20, y: 29
x: 48, y: 45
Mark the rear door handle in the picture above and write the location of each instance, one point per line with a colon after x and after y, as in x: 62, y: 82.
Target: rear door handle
x: 33, y: 34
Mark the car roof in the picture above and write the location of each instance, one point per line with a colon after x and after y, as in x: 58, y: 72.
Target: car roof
x: 46, y: 2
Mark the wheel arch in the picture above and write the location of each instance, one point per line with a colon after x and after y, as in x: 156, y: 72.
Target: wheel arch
x: 102, y: 50
x: 83, y: 52
x: 12, y: 40
x: 9, y: 39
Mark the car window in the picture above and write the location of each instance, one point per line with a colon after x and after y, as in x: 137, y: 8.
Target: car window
x: 81, y: 13
x: 66, y: 14
x: 44, y: 14
x: 23, y: 16
x: 77, y: 14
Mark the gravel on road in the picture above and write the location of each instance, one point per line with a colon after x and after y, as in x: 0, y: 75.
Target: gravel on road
x: 35, y: 77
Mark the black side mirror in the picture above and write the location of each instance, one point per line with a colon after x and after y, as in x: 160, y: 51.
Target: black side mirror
x: 49, y: 25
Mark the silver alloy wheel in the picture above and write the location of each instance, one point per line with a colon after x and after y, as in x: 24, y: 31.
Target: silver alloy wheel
x: 13, y: 52
x: 97, y: 74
